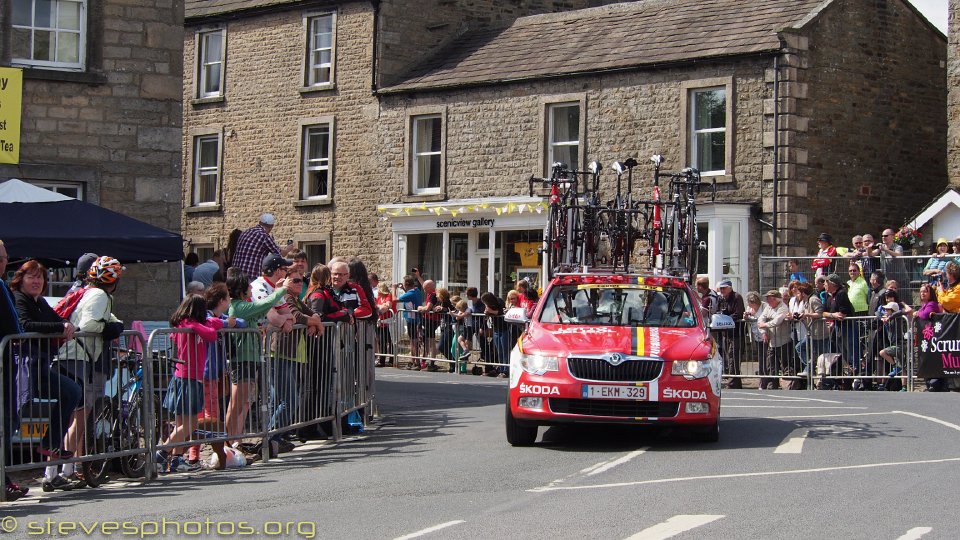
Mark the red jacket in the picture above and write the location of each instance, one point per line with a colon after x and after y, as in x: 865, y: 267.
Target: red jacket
x: 824, y: 262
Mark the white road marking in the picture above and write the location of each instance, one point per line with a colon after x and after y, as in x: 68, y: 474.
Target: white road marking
x: 930, y: 418
x: 594, y: 466
x: 674, y: 526
x: 798, y: 416
x: 609, y: 465
x: 789, y: 407
x: 747, y: 475
x: 787, y: 397
x: 915, y: 533
x: 793, y: 444
x: 429, y: 530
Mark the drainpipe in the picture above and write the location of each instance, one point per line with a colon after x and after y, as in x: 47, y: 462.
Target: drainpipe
x: 776, y: 149
x: 376, y: 30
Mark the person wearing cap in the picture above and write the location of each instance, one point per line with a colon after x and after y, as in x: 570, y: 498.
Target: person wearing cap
x: 83, y: 265
x: 836, y: 309
x: 823, y: 264
x: 938, y: 261
x: 894, y: 326
x: 731, y: 303
x: 254, y: 244
x: 273, y: 276
x: 773, y: 321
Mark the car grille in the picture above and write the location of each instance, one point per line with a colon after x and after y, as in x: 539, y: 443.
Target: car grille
x: 615, y: 407
x: 598, y: 369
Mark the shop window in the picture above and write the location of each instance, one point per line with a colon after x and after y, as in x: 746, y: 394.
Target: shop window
x: 522, y: 257
x: 49, y: 33
x: 425, y: 251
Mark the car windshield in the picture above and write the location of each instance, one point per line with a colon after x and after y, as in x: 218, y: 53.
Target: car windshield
x: 618, y: 305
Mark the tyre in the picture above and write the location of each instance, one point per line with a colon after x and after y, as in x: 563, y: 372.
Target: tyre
x: 135, y: 436
x: 99, y: 440
x: 519, y: 434
x: 708, y: 434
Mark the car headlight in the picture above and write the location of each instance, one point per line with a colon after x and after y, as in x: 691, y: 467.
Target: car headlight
x: 691, y: 369
x: 537, y: 364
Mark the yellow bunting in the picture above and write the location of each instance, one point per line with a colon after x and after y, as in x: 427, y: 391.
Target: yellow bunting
x: 499, y: 211
x: 407, y: 211
x: 423, y: 206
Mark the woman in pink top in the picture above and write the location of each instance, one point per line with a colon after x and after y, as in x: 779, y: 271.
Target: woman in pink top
x: 184, y: 396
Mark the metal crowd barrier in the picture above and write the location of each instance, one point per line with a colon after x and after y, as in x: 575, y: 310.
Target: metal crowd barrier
x: 63, y: 399
x: 419, y: 343
x: 856, y: 353
x: 148, y: 396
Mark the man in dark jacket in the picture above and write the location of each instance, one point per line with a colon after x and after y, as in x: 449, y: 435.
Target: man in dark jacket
x: 9, y: 325
x: 835, y: 310
x: 731, y: 303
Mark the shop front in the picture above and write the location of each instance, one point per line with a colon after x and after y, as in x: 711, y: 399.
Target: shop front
x: 485, y: 243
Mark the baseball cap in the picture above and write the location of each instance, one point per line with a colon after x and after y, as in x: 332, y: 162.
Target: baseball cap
x: 725, y: 283
x: 267, y: 219
x: 892, y: 305
x: 84, y: 263
x: 825, y: 237
x: 942, y: 240
x: 272, y: 262
x: 835, y: 279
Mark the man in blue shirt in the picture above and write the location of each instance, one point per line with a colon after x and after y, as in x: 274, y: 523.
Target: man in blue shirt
x: 411, y: 299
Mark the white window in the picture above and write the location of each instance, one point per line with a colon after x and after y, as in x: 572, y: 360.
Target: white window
x: 70, y: 189
x: 206, y: 170
x: 210, y: 66
x: 564, y: 135
x: 708, y: 130
x: 320, y: 49
x: 427, y: 153
x: 317, y: 149
x: 49, y: 33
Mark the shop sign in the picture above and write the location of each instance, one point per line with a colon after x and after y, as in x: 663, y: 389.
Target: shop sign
x: 465, y: 223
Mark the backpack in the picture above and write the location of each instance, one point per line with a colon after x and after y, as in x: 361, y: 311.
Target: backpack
x: 68, y: 304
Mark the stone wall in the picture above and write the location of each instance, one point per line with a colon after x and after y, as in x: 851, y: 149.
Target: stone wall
x: 870, y: 100
x: 115, y: 128
x: 260, y: 117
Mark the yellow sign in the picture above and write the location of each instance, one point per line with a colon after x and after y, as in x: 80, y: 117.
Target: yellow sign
x: 11, y: 94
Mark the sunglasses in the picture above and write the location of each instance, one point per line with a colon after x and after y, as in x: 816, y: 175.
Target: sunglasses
x: 296, y: 280
x: 886, y: 235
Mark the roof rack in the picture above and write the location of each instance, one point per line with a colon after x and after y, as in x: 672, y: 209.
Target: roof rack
x: 585, y: 233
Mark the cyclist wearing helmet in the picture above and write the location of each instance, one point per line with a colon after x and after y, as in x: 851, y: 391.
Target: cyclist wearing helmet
x: 78, y: 356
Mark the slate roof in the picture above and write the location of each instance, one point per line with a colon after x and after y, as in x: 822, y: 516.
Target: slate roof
x: 193, y: 9
x: 617, y: 36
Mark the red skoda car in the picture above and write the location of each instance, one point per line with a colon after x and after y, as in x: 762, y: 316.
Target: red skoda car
x: 617, y: 349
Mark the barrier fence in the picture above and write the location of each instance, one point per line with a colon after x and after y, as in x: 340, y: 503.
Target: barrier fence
x: 856, y: 353
x: 175, y: 391
x: 467, y: 343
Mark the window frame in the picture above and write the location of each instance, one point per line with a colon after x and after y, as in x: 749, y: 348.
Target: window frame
x: 413, y: 154
x: 308, y: 83
x: 303, y: 158
x: 553, y: 145
x: 194, y: 156
x: 688, y: 89
x: 547, y: 104
x: 55, y: 185
x: 200, y: 79
x: 82, y: 40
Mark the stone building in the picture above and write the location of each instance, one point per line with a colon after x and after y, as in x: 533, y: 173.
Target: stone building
x: 953, y: 100
x: 812, y: 116
x: 101, y: 118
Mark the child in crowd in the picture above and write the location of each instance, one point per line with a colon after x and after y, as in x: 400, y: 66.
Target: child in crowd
x: 460, y: 316
x: 184, y: 396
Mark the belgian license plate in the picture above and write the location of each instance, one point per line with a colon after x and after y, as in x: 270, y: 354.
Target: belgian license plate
x: 609, y: 391
x: 33, y: 430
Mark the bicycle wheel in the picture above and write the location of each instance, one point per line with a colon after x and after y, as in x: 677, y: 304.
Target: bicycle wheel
x: 135, y: 436
x: 693, y: 250
x: 101, y: 423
